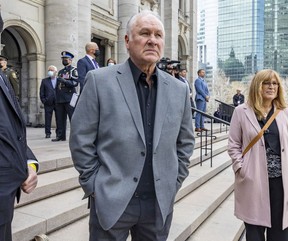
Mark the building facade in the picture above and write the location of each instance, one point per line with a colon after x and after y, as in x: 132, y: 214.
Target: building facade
x: 276, y: 36
x: 36, y: 31
x: 241, y: 30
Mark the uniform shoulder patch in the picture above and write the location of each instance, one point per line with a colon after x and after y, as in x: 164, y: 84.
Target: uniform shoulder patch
x: 14, y: 75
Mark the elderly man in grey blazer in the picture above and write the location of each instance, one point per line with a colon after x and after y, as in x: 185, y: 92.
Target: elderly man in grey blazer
x: 132, y: 149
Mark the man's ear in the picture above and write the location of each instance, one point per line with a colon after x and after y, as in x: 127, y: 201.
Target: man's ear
x: 126, y: 41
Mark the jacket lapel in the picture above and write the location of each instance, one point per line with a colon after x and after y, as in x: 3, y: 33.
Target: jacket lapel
x: 89, y: 62
x: 161, y: 106
x: 126, y: 82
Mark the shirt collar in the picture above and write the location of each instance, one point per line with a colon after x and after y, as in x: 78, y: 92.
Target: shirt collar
x: 136, y: 72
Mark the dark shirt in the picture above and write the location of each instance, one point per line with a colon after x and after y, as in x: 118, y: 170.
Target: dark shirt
x: 147, y: 103
x: 238, y: 99
x: 273, y: 147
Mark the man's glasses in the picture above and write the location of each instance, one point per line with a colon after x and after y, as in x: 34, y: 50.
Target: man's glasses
x: 267, y: 83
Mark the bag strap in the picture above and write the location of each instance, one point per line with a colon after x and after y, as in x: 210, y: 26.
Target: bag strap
x: 261, y: 132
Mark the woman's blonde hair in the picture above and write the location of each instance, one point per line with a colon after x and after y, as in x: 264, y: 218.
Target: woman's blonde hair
x: 255, y: 99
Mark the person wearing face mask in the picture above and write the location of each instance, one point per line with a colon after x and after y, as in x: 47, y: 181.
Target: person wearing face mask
x: 65, y: 88
x: 88, y: 62
x: 111, y: 62
x: 11, y: 75
x: 48, y: 97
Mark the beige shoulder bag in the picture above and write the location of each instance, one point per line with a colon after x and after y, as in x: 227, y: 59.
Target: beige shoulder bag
x: 265, y: 127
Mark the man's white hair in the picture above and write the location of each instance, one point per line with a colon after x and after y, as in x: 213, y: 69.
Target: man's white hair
x: 134, y: 18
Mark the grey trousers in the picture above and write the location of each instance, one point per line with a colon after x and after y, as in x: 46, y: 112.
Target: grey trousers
x: 142, y: 218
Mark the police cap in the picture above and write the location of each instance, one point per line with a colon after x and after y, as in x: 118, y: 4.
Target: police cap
x: 66, y: 54
x: 2, y: 57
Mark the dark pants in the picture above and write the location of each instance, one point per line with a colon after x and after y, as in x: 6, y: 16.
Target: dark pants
x: 9, y: 185
x: 62, y: 110
x: 48, y: 117
x: 199, y: 119
x: 141, y: 217
x: 275, y: 233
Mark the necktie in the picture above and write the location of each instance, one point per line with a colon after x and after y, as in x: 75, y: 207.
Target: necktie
x: 95, y: 64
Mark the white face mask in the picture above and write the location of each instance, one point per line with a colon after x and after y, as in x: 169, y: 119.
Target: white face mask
x: 109, y: 64
x: 50, y: 73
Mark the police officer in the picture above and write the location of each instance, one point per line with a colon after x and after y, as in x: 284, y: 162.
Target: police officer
x: 11, y: 75
x: 66, y: 82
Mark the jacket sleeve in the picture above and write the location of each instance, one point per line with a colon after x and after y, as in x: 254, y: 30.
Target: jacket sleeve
x: 199, y: 88
x: 83, y: 135
x: 235, y: 141
x: 82, y: 71
x: 185, y: 142
x: 42, y: 92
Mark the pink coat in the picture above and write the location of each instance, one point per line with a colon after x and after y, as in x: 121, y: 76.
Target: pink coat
x: 252, y: 203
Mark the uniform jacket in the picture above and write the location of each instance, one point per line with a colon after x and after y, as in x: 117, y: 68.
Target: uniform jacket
x: 47, y: 92
x: 12, y: 76
x: 201, y: 89
x: 66, y: 82
x: 14, y: 152
x: 83, y: 66
x: 252, y: 203
x: 108, y: 145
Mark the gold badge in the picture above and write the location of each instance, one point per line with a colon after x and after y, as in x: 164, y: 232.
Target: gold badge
x: 14, y: 75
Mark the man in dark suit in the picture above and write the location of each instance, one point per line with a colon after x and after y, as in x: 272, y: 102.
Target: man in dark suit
x: 182, y: 77
x: 202, y: 96
x: 66, y: 82
x: 88, y: 62
x: 48, y: 97
x: 18, y: 165
x: 131, y: 139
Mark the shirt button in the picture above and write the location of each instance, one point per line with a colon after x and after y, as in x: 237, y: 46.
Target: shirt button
x: 282, y: 150
x: 142, y: 153
x: 19, y: 138
x: 135, y: 179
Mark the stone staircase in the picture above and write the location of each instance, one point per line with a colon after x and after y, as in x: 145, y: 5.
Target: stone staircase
x: 203, y: 208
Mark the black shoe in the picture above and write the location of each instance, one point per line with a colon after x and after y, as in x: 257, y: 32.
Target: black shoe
x: 198, y: 129
x: 48, y: 136
x: 58, y: 139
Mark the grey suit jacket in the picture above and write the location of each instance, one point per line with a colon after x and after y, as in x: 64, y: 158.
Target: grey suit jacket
x: 108, y: 145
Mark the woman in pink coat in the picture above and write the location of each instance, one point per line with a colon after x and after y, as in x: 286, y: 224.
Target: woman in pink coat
x: 261, y: 176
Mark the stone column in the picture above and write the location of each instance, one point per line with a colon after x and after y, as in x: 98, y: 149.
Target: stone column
x: 108, y: 44
x: 36, y: 64
x: 193, y: 38
x: 171, y: 28
x: 61, y: 29
x: 84, y: 26
x: 127, y: 8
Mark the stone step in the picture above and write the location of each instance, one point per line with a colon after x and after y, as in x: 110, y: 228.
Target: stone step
x: 198, y: 176
x: 55, y: 156
x: 62, y: 180
x: 48, y: 215
x: 221, y: 225
x: 193, y: 209
x: 50, y: 184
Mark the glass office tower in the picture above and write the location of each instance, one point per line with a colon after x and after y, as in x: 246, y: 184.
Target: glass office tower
x: 276, y: 36
x: 240, y: 37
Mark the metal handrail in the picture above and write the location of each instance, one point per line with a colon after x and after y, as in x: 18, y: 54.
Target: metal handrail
x: 206, y: 135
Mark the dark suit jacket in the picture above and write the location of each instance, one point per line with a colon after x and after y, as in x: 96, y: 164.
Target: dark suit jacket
x: 108, y: 145
x: 47, y: 92
x: 83, y: 66
x: 14, y: 152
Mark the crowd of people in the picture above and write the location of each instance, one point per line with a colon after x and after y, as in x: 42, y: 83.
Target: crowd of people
x: 132, y: 149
